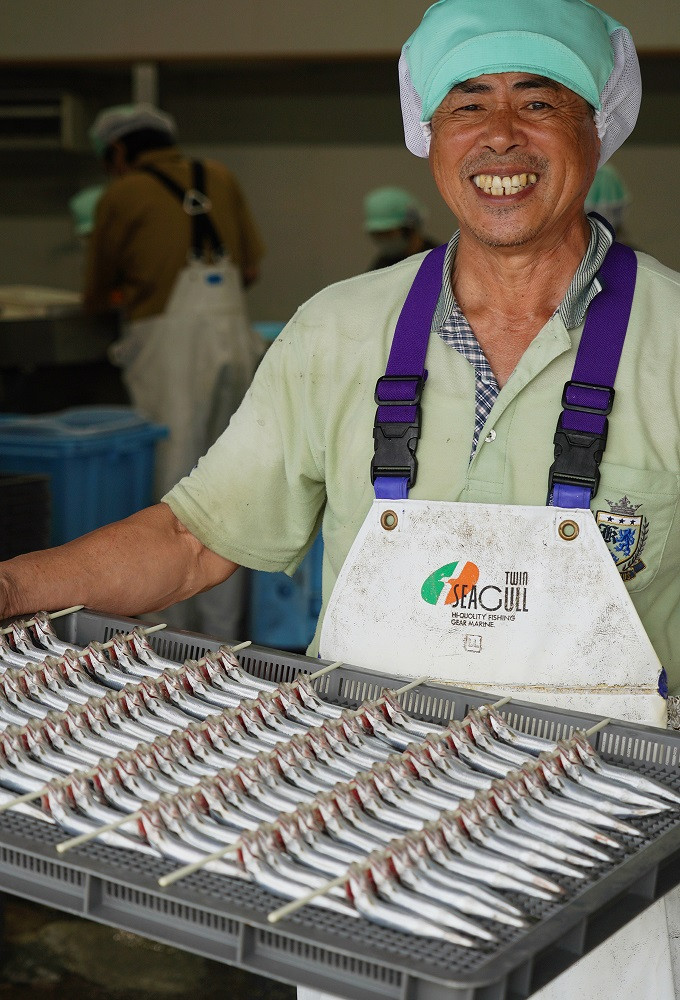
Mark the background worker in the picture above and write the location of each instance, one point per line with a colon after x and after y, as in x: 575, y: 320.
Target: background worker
x: 578, y: 572
x: 187, y: 341
x: 394, y: 219
x: 175, y: 249
x: 83, y: 205
x: 610, y: 198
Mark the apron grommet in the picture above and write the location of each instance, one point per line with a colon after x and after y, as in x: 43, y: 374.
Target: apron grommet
x: 389, y: 520
x: 568, y: 530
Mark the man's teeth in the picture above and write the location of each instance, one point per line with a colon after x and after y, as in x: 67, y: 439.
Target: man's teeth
x: 495, y: 185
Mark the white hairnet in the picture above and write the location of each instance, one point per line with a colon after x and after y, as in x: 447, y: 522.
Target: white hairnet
x: 114, y: 123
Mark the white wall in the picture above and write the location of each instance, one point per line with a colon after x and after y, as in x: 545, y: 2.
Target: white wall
x: 82, y: 29
x: 653, y: 219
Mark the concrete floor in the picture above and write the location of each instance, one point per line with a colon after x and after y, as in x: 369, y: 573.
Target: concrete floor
x: 49, y: 955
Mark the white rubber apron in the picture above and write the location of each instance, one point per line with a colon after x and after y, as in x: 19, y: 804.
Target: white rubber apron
x: 190, y: 367
x: 510, y: 600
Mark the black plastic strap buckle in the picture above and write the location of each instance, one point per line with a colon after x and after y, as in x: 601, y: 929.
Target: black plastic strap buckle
x: 396, y: 441
x: 577, y: 458
x: 600, y: 410
x: 395, y: 450
x: 418, y: 380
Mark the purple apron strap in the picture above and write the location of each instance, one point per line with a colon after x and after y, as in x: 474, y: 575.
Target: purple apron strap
x: 581, y: 433
x: 397, y: 393
x: 587, y: 399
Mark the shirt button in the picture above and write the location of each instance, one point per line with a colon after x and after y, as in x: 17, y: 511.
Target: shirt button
x: 491, y: 436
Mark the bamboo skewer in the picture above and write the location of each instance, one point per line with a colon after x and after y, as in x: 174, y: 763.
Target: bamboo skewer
x: 144, y: 631
x: 83, y: 838
x: 503, y: 701
x: 66, y: 611
x: 296, y: 904
x: 32, y: 621
x: 32, y: 796
x: 196, y: 866
x: 596, y: 728
x: 322, y: 671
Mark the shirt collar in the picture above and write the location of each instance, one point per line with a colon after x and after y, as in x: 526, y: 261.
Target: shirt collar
x: 581, y: 292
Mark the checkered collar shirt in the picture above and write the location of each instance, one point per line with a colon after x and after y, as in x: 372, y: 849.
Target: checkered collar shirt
x: 451, y: 325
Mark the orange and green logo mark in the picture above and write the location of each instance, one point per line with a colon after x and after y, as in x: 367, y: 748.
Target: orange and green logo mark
x: 449, y: 583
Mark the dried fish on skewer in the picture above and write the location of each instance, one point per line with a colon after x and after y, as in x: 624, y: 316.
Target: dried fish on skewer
x: 45, y: 636
x: 535, y: 745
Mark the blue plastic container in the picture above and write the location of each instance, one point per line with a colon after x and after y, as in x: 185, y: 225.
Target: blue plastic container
x: 268, y: 329
x: 100, y: 460
x: 284, y: 609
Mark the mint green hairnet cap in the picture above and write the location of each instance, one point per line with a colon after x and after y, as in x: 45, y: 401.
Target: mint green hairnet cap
x: 569, y: 41
x: 113, y: 123
x: 608, y: 188
x: 391, y: 208
x: 83, y: 206
x: 608, y: 195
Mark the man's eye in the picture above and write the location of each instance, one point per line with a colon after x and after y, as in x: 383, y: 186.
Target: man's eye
x: 538, y: 106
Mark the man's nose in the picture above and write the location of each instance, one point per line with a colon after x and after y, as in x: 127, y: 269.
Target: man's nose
x: 503, y: 131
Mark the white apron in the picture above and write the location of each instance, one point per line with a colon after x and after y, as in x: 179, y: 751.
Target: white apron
x: 509, y: 599
x: 190, y: 367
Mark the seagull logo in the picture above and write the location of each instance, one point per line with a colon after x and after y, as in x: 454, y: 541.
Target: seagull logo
x: 449, y: 583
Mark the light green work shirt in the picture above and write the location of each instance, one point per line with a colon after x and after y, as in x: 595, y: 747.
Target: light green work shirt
x: 298, y: 451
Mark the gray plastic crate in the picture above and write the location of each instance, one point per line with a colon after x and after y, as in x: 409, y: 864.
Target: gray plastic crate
x: 225, y: 919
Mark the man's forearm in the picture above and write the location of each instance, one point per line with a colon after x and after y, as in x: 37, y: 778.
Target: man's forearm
x: 143, y: 563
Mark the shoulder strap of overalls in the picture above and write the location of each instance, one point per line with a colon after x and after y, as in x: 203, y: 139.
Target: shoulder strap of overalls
x: 397, y: 421
x: 587, y: 399
x: 196, y: 204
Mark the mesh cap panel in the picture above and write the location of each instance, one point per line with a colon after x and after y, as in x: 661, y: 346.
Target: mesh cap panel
x: 416, y: 132
x: 621, y: 96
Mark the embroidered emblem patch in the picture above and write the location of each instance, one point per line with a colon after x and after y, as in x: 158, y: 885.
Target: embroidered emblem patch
x: 625, y: 532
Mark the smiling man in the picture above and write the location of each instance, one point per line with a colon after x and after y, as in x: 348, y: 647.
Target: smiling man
x: 545, y: 500
x: 513, y: 156
x: 510, y: 153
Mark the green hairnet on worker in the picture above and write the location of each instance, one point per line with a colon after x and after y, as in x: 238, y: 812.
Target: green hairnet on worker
x: 394, y: 219
x: 83, y: 206
x: 608, y: 196
x: 390, y: 208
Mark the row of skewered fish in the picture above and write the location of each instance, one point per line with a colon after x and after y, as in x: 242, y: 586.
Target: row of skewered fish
x: 416, y: 826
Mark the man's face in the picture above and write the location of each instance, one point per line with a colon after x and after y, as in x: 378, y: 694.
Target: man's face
x: 525, y: 128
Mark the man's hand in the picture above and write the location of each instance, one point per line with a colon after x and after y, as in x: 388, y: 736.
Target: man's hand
x: 144, y: 563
